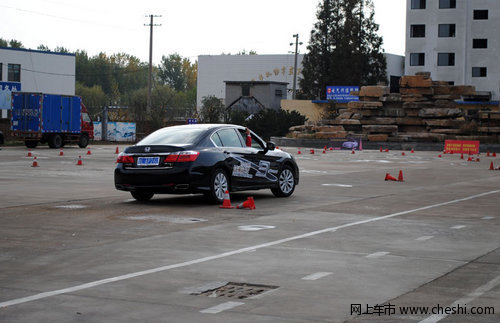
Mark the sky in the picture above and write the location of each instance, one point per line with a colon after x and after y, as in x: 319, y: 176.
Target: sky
x: 187, y: 27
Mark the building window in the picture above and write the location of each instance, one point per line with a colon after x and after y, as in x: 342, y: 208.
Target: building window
x: 278, y: 93
x: 480, y: 14
x: 479, y: 72
x: 447, y: 4
x: 446, y: 59
x: 479, y: 43
x: 418, y: 4
x: 446, y: 30
x: 14, y: 73
x: 245, y: 90
x: 417, y: 31
x: 417, y: 59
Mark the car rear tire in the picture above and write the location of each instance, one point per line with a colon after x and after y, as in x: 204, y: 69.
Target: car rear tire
x: 55, y: 141
x: 219, y: 184
x: 142, y: 196
x: 286, y: 183
x: 31, y: 143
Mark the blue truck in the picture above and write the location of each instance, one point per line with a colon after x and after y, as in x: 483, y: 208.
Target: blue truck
x: 50, y: 118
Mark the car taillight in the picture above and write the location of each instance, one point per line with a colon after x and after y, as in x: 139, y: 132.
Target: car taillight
x: 182, y: 156
x: 125, y: 159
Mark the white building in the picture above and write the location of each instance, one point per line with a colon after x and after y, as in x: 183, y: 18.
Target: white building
x: 34, y: 71
x: 213, y: 71
x: 456, y: 40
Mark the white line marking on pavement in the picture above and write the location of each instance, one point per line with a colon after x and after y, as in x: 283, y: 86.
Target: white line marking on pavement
x: 377, y: 254
x: 221, y: 307
x: 458, y: 227
x: 338, y: 185
x: 316, y: 276
x: 488, y: 218
x: 229, y: 253
x: 424, y: 238
x: 465, y: 300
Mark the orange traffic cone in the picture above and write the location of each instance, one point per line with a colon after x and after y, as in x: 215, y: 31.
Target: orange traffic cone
x: 35, y: 162
x: 299, y: 152
x: 226, y: 204
x: 403, y: 154
x: 440, y: 156
x: 491, y: 166
x: 494, y: 154
x: 477, y: 159
x: 360, y: 144
x: 331, y: 148
x: 79, y: 162
x: 29, y: 153
x: 248, y: 204
x: 311, y: 151
x: 388, y: 177
x: 462, y: 156
x: 89, y: 152
x: 400, y: 176
x: 117, y: 151
x: 387, y: 150
x: 353, y: 152
x: 412, y: 151
x: 469, y: 159
x: 61, y: 153
x: 380, y: 149
x: 487, y: 154
x: 324, y: 151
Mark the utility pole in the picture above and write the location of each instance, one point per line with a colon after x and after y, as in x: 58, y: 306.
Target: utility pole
x: 294, y: 90
x: 150, y: 78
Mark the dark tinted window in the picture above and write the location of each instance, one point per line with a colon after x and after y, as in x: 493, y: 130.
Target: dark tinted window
x: 417, y: 59
x: 215, y: 138
x: 446, y: 59
x: 446, y: 30
x: 418, y: 4
x: 229, y: 138
x: 245, y: 90
x: 417, y: 31
x: 14, y: 73
x: 480, y: 43
x: 480, y: 14
x: 447, y: 4
x: 173, y: 136
x: 479, y: 72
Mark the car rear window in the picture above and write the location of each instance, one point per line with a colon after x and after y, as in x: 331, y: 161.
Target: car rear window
x: 173, y: 136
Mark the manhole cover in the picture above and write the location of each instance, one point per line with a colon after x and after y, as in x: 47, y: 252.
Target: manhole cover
x: 237, y: 290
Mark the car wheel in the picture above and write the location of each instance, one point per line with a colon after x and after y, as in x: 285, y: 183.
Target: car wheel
x: 219, y: 184
x: 55, y: 141
x: 31, y: 143
x: 286, y: 183
x: 83, y: 141
x: 142, y: 196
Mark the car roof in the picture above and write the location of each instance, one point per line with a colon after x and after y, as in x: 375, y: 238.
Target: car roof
x: 207, y: 126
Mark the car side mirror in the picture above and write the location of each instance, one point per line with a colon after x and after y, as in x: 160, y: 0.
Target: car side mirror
x: 270, y: 146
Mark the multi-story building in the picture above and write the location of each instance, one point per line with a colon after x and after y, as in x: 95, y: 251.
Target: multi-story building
x: 456, y: 41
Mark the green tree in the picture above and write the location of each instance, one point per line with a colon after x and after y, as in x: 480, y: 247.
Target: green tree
x: 344, y: 48
x: 212, y: 110
x: 11, y: 43
x: 270, y: 122
x: 93, y: 97
x: 170, y: 72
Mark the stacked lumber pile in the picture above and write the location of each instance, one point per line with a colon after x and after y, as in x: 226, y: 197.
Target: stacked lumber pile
x: 424, y: 110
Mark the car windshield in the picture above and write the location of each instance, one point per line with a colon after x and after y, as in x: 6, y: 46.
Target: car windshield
x: 173, y: 136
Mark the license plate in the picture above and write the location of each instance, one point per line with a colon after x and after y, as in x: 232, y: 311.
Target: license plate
x: 148, y: 161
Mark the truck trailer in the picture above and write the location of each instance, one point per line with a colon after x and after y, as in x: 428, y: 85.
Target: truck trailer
x: 50, y: 118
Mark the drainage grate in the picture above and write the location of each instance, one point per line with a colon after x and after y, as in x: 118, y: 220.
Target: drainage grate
x: 237, y: 290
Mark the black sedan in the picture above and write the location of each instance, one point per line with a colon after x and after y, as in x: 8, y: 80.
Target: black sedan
x: 204, y: 158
